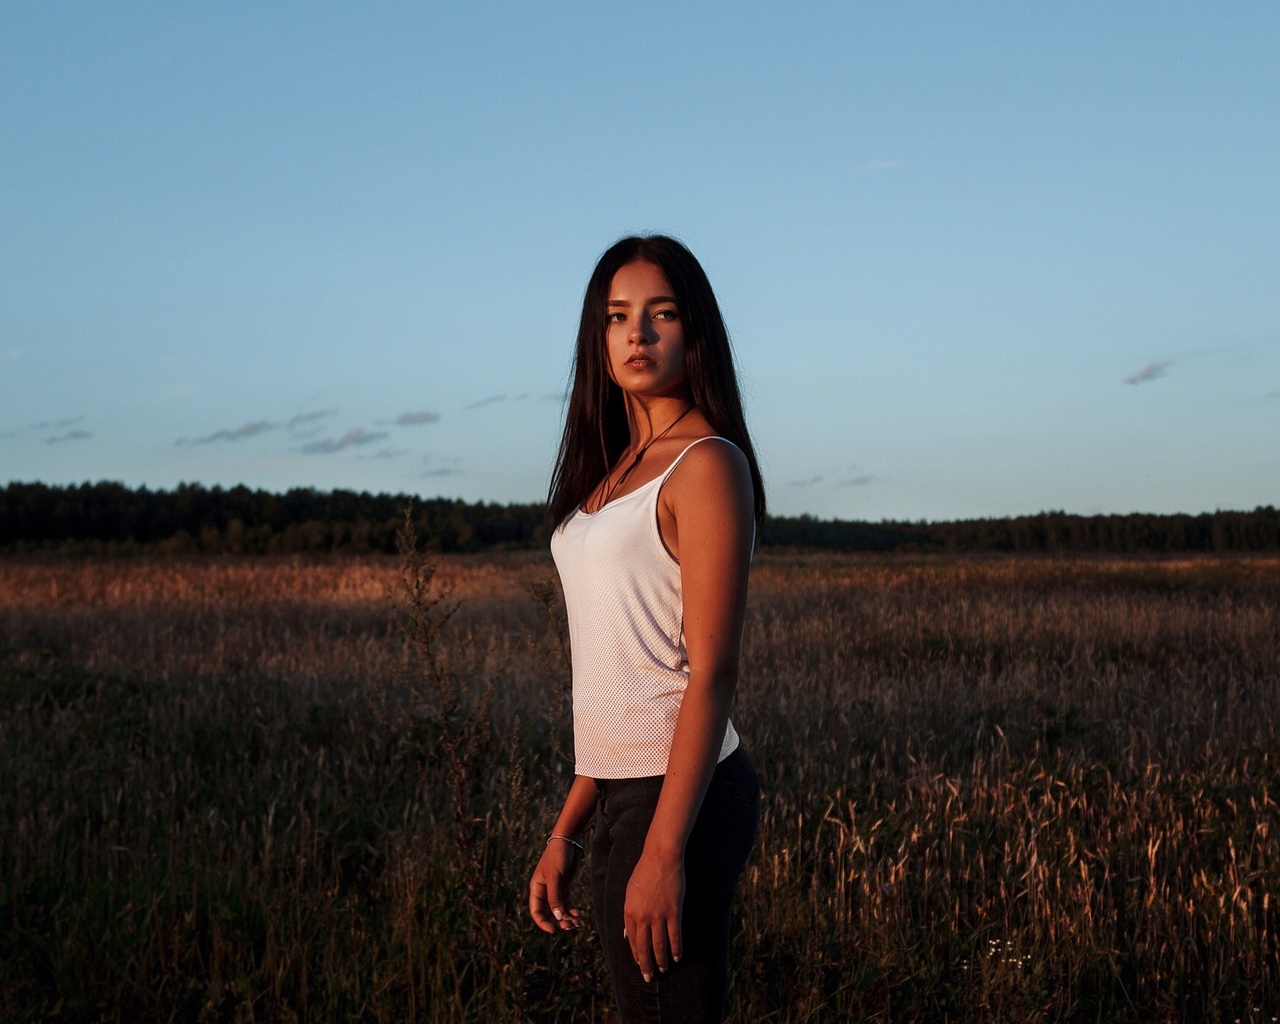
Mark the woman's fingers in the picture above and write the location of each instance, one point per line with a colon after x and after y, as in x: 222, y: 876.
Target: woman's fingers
x: 655, y: 898
x: 540, y: 907
x: 568, y: 917
x: 661, y: 950
x: 549, y: 903
x: 652, y: 945
x: 550, y: 913
x: 640, y: 937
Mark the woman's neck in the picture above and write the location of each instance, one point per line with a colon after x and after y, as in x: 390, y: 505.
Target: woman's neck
x: 647, y: 420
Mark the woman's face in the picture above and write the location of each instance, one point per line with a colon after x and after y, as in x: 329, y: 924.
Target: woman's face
x: 644, y: 336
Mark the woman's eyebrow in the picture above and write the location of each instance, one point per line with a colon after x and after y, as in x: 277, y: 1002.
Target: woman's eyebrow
x: 651, y: 300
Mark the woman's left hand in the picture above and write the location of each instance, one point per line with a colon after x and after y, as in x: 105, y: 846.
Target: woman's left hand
x: 655, y: 901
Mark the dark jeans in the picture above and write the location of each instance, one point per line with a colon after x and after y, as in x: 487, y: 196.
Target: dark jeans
x: 722, y: 837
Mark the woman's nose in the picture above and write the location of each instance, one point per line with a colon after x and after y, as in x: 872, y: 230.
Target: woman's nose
x: 642, y: 332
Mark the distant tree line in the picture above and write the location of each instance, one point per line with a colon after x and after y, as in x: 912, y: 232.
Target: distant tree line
x: 112, y: 518
x: 1258, y: 530
x: 191, y: 518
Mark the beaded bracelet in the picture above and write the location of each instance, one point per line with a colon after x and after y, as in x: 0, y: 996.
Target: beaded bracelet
x: 568, y: 839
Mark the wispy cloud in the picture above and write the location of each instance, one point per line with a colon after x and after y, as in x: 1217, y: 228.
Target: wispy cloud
x: 354, y: 437
x: 62, y: 424
x: 1274, y: 394
x: 309, y: 417
x: 841, y: 476
x: 70, y: 435
x: 416, y: 419
x: 450, y: 465
x: 494, y: 398
x: 387, y: 453
x: 1152, y: 371
x: 245, y: 430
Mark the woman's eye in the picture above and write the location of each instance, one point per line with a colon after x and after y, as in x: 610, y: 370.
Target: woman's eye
x: 666, y: 314
x: 615, y: 318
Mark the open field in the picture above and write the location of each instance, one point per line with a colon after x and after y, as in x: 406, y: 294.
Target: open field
x: 996, y: 790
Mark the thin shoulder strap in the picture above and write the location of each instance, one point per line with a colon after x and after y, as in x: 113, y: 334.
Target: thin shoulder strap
x: 671, y: 469
x: 709, y: 437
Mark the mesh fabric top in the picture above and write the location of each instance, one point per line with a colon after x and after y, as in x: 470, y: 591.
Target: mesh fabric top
x: 626, y: 635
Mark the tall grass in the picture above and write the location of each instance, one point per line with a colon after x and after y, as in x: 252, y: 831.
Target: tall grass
x: 997, y: 790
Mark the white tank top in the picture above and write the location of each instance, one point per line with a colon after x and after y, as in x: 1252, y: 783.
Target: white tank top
x: 626, y: 635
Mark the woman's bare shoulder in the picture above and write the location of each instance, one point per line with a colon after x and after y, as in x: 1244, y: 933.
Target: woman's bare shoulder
x: 711, y: 451
x: 714, y: 465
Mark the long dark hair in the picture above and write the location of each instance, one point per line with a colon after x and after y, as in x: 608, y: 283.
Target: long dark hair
x: 595, y: 429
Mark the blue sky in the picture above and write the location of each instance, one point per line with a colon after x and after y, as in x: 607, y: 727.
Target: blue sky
x: 976, y: 259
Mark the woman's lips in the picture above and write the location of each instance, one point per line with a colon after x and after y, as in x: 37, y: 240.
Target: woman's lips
x: 639, y: 362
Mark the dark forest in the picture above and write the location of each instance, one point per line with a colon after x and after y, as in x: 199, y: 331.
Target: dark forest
x: 110, y: 518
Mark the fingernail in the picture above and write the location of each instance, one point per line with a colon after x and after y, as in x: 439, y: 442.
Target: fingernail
x: 558, y: 914
x: 648, y: 978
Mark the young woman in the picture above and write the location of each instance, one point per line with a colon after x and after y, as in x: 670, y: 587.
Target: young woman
x: 656, y: 495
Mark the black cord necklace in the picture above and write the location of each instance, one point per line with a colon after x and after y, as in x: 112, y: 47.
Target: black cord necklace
x: 640, y: 455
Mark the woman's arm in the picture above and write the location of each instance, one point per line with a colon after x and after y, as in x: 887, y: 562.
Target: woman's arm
x: 709, y: 501
x: 549, y: 902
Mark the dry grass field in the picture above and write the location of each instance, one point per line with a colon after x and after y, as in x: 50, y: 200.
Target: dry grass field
x: 996, y: 790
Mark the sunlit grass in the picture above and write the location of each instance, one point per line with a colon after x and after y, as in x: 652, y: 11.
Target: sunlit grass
x: 996, y: 789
